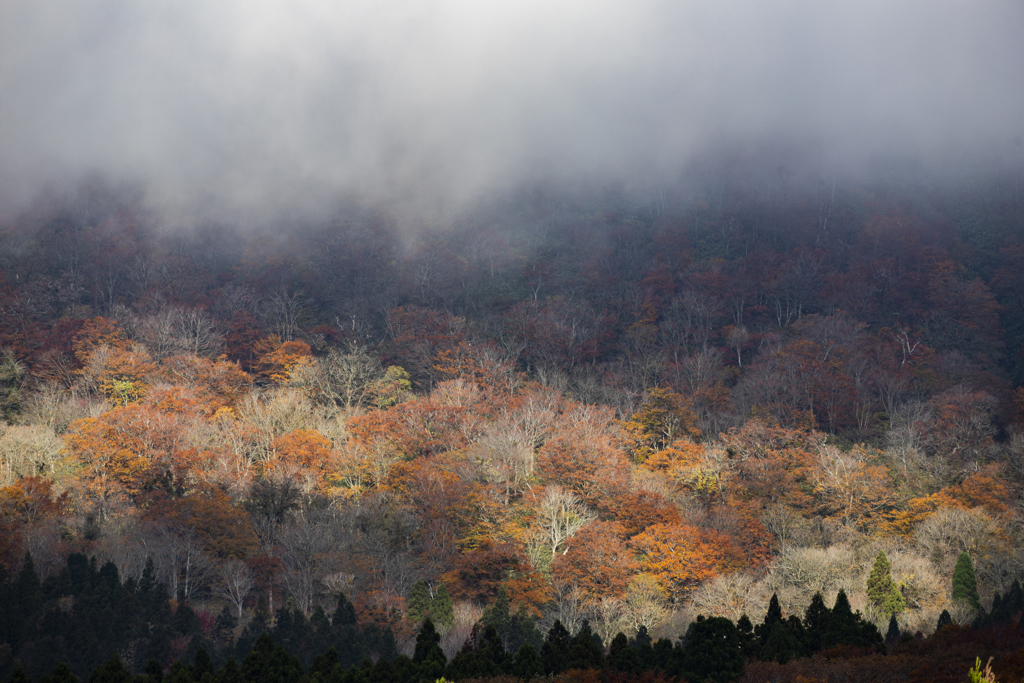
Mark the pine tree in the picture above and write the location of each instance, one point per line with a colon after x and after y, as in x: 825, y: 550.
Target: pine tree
x: 555, y: 650
x: 965, y: 584
x: 442, y: 610
x: 816, y: 622
x: 419, y: 603
x: 712, y: 650
x: 880, y: 581
x: 771, y: 617
x: 883, y: 592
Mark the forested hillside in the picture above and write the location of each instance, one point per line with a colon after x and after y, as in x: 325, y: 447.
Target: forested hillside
x: 569, y: 407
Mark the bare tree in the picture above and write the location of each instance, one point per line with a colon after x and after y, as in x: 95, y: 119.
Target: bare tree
x: 197, y: 332
x: 27, y: 451
x: 236, y: 582
x: 342, y: 378
x: 282, y: 312
x: 560, y: 514
x: 174, y: 330
x: 646, y: 602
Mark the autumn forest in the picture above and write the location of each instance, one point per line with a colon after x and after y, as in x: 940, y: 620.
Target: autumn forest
x: 784, y: 416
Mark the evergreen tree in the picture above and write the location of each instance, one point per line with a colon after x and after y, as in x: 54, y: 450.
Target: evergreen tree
x: 585, y: 650
x: 324, y: 663
x: 179, y: 673
x: 491, y: 658
x: 112, y: 671
x: 428, y: 644
x: 19, y: 675
x: 268, y: 662
x: 965, y: 584
x: 944, y: 620
x: 442, y: 609
x: 428, y: 657
x: 749, y: 645
x: 527, y: 664
x: 816, y: 622
x: 202, y: 664
x: 622, y: 657
x: 229, y: 673
x: 848, y: 628
x: 62, y: 674
x: 883, y: 593
x: 224, y: 626
x: 1006, y: 607
x: 555, y: 651
x: 641, y: 643
x: 344, y: 613
x: 516, y: 629
x: 773, y: 616
x: 419, y: 602
x: 785, y: 641
x: 28, y: 601
x: 712, y: 651
x: 154, y: 670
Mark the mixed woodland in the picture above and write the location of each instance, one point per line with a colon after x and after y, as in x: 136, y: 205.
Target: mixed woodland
x: 561, y: 431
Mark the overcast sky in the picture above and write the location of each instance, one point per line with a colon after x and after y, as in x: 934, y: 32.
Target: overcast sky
x: 254, y: 104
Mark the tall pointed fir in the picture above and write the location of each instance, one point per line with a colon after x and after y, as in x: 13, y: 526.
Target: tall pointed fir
x: 883, y: 592
x: 442, y: 609
x: 418, y: 605
x: 965, y: 584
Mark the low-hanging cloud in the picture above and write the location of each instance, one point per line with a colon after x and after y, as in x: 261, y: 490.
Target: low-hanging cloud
x: 257, y: 105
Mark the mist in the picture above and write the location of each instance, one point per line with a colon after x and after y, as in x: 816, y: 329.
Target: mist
x: 240, y: 110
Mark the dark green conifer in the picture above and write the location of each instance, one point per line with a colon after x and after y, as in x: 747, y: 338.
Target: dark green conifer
x: 555, y: 651
x: 644, y: 649
x: 112, y: 671
x: 428, y: 657
x: 224, y: 626
x: 585, y: 650
x: 324, y: 663
x: 268, y: 662
x: 202, y: 664
x: 785, y: 641
x: 712, y: 651
x: 442, y: 609
x: 419, y: 602
x: 965, y: 584
x: 749, y: 645
x: 229, y: 673
x: 178, y: 673
x: 154, y: 670
x: 344, y: 613
x: 622, y: 657
x: 516, y: 629
x: 428, y: 644
x: 19, y: 675
x: 816, y: 623
x: 61, y: 674
x: 527, y: 664
x: 771, y: 617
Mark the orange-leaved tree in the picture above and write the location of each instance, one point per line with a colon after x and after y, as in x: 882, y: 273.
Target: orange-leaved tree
x: 680, y: 556
x: 308, y: 450
x: 597, y: 561
x: 664, y: 418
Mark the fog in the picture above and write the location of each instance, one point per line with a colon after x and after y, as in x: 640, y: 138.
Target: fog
x: 248, y: 108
